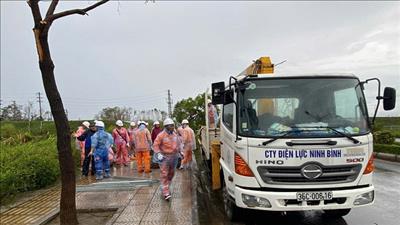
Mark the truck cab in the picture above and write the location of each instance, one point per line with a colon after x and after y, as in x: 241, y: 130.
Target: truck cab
x: 295, y: 143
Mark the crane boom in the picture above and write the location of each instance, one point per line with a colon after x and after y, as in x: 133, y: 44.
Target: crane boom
x: 263, y: 65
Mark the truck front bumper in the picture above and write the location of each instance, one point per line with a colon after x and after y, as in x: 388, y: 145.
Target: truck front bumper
x: 287, y: 201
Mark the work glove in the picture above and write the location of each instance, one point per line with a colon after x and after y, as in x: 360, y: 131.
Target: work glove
x: 159, y: 157
x: 181, y: 155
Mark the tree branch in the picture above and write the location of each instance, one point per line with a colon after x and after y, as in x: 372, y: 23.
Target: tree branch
x: 52, y: 8
x: 37, y: 17
x: 84, y: 11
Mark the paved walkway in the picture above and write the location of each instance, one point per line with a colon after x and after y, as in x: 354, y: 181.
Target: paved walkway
x: 141, y: 203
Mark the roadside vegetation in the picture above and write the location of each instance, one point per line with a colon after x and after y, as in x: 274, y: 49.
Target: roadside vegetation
x: 28, y: 159
x: 386, y: 130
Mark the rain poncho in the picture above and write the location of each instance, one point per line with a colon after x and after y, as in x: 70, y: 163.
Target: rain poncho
x: 142, y: 148
x: 142, y: 139
x: 212, y: 116
x: 189, y: 144
x: 101, y: 142
x: 169, y: 145
x: 121, y: 140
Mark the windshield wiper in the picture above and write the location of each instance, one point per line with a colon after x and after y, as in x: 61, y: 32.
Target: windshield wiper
x: 355, y: 141
x: 281, y: 136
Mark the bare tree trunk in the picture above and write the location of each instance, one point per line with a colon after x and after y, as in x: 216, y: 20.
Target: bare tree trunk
x: 67, y: 167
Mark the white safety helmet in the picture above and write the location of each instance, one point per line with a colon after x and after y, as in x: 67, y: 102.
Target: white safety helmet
x: 209, y: 101
x: 156, y: 123
x: 185, y: 121
x: 133, y: 124
x: 86, y: 124
x: 168, y: 121
x: 99, y: 123
x: 119, y: 123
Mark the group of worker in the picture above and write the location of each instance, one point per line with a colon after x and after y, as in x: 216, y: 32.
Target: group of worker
x: 168, y: 145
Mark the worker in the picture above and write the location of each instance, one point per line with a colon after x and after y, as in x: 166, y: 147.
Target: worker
x: 131, y: 132
x: 155, y: 131
x: 166, y: 150
x: 212, y: 114
x: 101, y: 143
x: 189, y: 144
x: 88, y: 159
x: 142, y: 148
x: 80, y: 145
x: 179, y: 132
x: 121, y: 139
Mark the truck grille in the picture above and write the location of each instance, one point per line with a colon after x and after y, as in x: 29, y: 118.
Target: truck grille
x: 293, y: 174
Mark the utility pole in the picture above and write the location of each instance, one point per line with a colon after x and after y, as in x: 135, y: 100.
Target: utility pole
x: 39, y: 97
x: 169, y: 102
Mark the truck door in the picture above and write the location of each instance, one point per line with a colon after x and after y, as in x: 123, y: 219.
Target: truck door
x: 228, y: 127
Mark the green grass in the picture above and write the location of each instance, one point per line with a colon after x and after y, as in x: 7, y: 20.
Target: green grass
x: 48, y: 128
x: 28, y: 167
x: 29, y: 157
x: 390, y: 124
x: 392, y: 149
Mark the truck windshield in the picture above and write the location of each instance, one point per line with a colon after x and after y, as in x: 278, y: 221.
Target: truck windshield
x: 272, y: 107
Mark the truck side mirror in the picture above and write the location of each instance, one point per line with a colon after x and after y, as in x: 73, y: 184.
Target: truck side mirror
x: 389, y: 98
x: 228, y: 97
x: 217, y: 92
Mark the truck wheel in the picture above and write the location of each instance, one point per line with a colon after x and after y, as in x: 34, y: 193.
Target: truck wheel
x: 337, y: 212
x: 231, y: 210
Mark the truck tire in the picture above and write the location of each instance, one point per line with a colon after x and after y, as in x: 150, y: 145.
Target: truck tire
x: 336, y: 212
x: 231, y: 210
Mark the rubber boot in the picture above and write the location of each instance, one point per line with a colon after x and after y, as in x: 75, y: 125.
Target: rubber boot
x: 107, y: 175
x: 99, y: 177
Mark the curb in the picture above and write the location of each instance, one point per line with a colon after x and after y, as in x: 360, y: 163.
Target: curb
x: 193, y: 171
x: 53, y: 214
x: 387, y: 156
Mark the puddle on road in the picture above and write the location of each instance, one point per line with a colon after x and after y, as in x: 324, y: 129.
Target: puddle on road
x: 210, y: 203
x: 116, y: 183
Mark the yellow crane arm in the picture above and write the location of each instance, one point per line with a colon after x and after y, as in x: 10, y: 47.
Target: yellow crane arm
x: 263, y: 65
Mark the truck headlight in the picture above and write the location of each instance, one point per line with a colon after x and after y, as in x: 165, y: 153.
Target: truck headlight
x: 364, y: 198
x: 254, y: 201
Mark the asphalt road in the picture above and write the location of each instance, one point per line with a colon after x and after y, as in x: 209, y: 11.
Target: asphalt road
x: 385, y: 210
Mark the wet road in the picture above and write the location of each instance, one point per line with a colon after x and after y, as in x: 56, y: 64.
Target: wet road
x: 385, y: 211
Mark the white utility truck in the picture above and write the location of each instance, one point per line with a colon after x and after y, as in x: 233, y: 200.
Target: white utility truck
x: 294, y: 143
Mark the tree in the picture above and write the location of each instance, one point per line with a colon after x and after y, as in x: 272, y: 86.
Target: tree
x: 29, y: 113
x: 192, y: 110
x: 12, y: 112
x: 115, y: 113
x: 41, y: 30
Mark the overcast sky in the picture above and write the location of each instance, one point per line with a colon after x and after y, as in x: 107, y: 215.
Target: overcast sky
x: 129, y: 53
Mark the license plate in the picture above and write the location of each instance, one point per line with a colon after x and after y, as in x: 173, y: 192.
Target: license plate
x: 310, y: 196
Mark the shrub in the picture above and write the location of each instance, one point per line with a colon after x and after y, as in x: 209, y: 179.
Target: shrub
x: 392, y: 149
x: 28, y: 167
x: 383, y: 137
x: 7, y: 130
